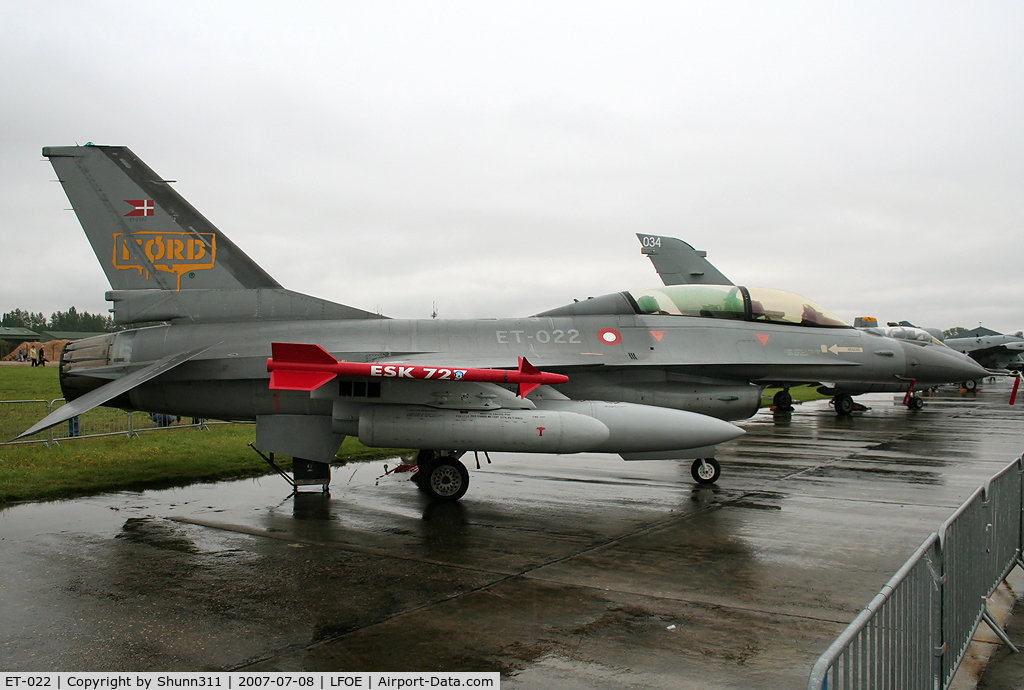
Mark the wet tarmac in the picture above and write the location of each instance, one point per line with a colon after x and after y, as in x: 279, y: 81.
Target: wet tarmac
x: 558, y: 571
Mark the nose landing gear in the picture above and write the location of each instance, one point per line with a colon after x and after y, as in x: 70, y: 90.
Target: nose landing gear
x: 706, y: 470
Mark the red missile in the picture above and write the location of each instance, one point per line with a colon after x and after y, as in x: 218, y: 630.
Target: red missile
x: 304, y: 367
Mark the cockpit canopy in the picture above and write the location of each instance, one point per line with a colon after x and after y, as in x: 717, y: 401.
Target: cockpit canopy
x: 735, y: 302
x: 911, y: 333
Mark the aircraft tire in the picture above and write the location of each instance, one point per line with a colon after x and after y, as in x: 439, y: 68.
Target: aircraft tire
x: 706, y: 470
x: 446, y: 479
x: 915, y: 403
x: 844, y: 404
x: 783, y: 400
x: 970, y: 385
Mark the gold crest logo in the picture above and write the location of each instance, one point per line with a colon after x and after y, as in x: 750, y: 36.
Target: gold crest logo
x: 172, y: 252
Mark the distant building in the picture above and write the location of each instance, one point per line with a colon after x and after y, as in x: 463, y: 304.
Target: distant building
x: 47, y: 336
x: 18, y: 335
x: 979, y: 332
x: 11, y: 338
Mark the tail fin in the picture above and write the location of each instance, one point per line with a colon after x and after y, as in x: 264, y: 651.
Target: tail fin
x: 144, y: 233
x: 678, y: 263
x: 163, y: 259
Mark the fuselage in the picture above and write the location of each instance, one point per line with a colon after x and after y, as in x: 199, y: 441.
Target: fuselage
x: 712, y: 366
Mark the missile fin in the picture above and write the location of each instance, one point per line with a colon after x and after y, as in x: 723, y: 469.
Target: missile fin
x: 302, y: 353
x: 299, y: 380
x: 526, y: 388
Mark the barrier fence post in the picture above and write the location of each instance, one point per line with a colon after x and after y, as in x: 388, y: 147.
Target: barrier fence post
x: 49, y: 432
x: 938, y: 644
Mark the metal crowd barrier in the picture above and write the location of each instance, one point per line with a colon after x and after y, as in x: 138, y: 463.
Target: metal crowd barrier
x: 916, y: 631
x: 18, y: 415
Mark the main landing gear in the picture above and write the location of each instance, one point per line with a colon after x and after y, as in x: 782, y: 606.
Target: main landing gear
x: 782, y: 401
x: 441, y: 476
x: 845, y: 405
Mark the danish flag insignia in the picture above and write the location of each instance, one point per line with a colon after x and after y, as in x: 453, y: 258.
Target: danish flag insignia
x: 142, y: 207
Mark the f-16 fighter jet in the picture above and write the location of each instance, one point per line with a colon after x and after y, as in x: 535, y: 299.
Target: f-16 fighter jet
x: 646, y: 374
x: 928, y: 362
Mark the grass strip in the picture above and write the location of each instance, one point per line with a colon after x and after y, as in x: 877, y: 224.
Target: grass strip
x: 157, y: 459
x: 29, y: 383
x: 805, y: 393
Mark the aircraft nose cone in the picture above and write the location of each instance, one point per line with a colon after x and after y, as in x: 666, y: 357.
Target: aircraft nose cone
x: 935, y: 364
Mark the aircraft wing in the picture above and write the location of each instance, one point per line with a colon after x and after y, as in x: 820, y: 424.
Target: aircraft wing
x: 1005, y: 355
x: 111, y: 390
x: 1007, y: 350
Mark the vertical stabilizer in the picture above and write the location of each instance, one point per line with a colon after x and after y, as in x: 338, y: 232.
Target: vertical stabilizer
x: 145, y: 235
x: 677, y: 263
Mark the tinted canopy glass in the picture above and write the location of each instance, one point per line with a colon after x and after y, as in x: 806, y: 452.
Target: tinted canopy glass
x: 735, y: 302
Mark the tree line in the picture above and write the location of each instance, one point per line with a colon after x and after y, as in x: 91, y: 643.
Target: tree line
x: 70, y: 320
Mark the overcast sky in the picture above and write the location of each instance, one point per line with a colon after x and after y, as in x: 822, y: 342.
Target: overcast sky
x: 497, y: 158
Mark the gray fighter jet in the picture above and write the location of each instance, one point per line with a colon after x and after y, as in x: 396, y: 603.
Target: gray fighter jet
x: 990, y: 349
x: 647, y: 374
x: 678, y: 263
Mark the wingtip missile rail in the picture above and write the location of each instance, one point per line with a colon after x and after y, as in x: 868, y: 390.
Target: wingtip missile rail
x: 306, y: 367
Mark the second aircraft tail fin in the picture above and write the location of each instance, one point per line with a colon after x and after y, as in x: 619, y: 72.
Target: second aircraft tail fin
x: 678, y: 263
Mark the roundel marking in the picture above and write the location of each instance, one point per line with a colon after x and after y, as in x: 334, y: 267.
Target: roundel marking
x: 609, y: 336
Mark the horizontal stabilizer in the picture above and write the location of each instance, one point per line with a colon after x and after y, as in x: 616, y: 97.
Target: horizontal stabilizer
x: 110, y: 391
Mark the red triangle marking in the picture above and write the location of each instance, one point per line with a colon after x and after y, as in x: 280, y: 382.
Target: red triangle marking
x: 658, y: 335
x: 763, y: 337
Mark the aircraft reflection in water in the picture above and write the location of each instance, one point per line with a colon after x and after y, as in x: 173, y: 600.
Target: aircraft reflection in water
x: 646, y: 374
x: 916, y: 359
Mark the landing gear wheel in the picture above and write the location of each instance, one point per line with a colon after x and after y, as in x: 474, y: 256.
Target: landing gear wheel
x: 783, y: 401
x: 844, y: 404
x: 446, y: 479
x: 706, y: 470
x: 915, y: 403
x: 970, y: 385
